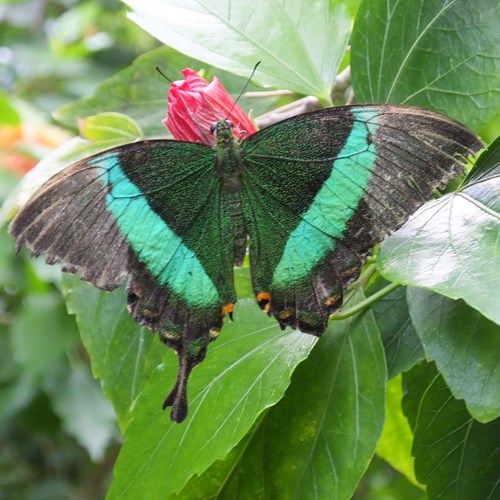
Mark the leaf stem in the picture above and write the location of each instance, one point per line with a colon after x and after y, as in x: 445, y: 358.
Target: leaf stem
x: 367, y: 274
x: 360, y: 306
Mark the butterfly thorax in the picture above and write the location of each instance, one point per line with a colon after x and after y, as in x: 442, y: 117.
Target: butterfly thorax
x: 228, y: 156
x: 229, y: 168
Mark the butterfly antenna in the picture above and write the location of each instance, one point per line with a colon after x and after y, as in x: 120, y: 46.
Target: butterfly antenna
x: 244, y: 88
x: 163, y: 74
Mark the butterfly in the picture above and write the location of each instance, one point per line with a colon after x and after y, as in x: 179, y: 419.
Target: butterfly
x: 308, y: 197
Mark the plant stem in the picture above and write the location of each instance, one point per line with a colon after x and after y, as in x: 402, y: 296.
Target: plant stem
x: 360, y: 306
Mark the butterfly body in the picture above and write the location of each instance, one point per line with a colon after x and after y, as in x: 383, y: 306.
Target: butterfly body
x: 308, y: 196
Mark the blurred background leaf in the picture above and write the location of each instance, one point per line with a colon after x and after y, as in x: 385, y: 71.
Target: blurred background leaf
x: 58, y: 435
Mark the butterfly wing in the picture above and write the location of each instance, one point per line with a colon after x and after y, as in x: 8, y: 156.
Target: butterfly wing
x: 153, y: 212
x: 321, y: 189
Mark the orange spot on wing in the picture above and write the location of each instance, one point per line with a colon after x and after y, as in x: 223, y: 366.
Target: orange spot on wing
x: 264, y: 296
x: 227, y: 309
x: 333, y: 299
x: 286, y: 314
x: 264, y: 301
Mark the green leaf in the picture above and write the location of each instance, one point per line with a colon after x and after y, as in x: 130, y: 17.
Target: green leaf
x: 16, y: 387
x: 486, y: 168
x: 452, y: 245
x: 439, y: 54
x: 455, y: 456
x: 464, y: 345
x: 122, y: 353
x: 402, y: 346
x: 319, y: 439
x: 245, y: 371
x: 236, y: 35
x: 140, y: 92
x: 12, y: 272
x: 415, y: 383
x: 215, y: 482
x: 397, y: 437
x: 14, y: 396
x: 332, y: 405
x: 109, y: 127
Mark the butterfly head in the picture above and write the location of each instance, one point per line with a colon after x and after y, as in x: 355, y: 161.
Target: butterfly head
x: 223, y: 129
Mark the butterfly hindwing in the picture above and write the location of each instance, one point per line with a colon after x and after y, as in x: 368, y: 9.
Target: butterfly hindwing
x: 326, y: 186
x: 152, y: 211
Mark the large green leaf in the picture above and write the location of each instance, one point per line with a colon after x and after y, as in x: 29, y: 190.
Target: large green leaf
x: 438, y: 54
x: 465, y: 347
x: 455, y: 456
x: 245, y: 371
x: 319, y: 439
x: 300, y: 43
x: 452, y: 244
x: 122, y: 354
x: 138, y: 91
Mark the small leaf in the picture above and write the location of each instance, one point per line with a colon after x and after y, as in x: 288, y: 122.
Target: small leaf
x: 110, y: 127
x: 234, y: 36
x: 8, y: 114
x: 452, y: 245
x: 455, y: 456
x: 245, y: 371
x: 486, y: 168
x: 439, y: 54
x: 464, y: 345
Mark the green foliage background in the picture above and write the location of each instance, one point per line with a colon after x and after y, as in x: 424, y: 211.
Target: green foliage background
x: 412, y: 381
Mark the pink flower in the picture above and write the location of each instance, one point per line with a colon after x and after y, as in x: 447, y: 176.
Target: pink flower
x: 194, y: 105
